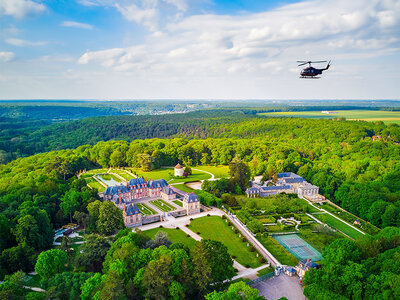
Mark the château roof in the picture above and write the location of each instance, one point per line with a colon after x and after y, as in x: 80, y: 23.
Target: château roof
x: 136, y: 181
x: 190, y: 198
x: 178, y: 166
x: 294, y: 180
x: 115, y: 190
x: 131, y: 209
x: 160, y: 183
x: 167, y: 190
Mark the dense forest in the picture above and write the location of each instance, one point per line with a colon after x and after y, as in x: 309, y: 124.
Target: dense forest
x: 41, y: 192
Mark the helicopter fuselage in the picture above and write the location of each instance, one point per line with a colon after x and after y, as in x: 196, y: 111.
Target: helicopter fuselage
x: 311, y: 72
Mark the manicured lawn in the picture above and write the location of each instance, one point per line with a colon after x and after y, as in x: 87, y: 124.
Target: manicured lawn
x: 175, y: 235
x: 366, y: 115
x: 215, y: 228
x: 178, y: 202
x: 220, y: 171
x: 145, y: 209
x: 123, y: 174
x: 97, y: 171
x: 94, y: 184
x: 108, y: 176
x: 164, y: 206
x: 184, y: 188
x: 266, y: 219
x: 196, y: 176
x: 278, y: 251
x: 339, y: 225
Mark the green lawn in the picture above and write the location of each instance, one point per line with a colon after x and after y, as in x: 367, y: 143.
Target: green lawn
x: 107, y: 176
x: 220, y: 171
x: 184, y: 188
x: 145, y: 209
x: 278, y: 251
x: 94, y: 184
x: 318, y: 240
x: 366, y: 115
x: 175, y: 235
x: 178, y: 202
x: 265, y: 271
x: 123, y: 174
x: 168, y: 174
x: 215, y: 228
x: 97, y: 171
x: 162, y: 205
x: 339, y: 225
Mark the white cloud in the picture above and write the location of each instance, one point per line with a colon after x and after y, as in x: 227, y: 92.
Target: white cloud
x: 76, y: 25
x: 20, y: 8
x: 7, y: 56
x: 23, y: 43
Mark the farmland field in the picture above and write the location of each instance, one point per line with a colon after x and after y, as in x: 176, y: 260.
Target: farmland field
x: 365, y: 115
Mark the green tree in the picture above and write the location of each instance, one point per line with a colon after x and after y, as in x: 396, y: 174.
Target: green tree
x: 66, y: 285
x: 202, y: 270
x: 110, y: 219
x: 51, y: 262
x: 93, y: 252
x: 70, y: 202
x: 92, y: 287
x: 239, y: 172
x: 157, y: 278
x: 145, y: 162
x: 21, y: 257
x: 117, y: 159
x: 236, y: 291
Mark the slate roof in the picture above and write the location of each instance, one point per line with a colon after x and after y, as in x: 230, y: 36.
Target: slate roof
x: 118, y: 200
x: 288, y: 174
x: 167, y: 190
x: 157, y: 183
x: 294, y: 179
x: 275, y: 188
x: 252, y: 189
x: 115, y: 190
x: 131, y: 209
x: 190, y: 198
x: 136, y: 181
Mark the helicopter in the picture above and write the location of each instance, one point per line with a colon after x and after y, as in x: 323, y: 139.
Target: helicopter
x: 311, y: 72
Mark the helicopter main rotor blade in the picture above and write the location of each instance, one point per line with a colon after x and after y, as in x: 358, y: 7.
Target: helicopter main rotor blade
x: 319, y: 61
x: 303, y: 64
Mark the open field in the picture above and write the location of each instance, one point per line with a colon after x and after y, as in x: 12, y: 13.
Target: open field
x: 365, y: 115
x: 215, y: 228
x: 145, y: 209
x: 184, y: 188
x: 175, y: 236
x: 162, y: 205
x: 220, y: 171
x: 339, y: 225
x: 278, y: 251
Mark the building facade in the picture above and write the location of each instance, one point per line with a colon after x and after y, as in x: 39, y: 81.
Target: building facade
x: 178, y: 170
x: 191, y: 203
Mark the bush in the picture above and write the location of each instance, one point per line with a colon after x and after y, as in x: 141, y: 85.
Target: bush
x: 252, y: 249
x: 177, y: 227
x: 223, y: 217
x: 208, y: 215
x: 160, y: 226
x: 198, y: 232
x: 236, y: 231
x: 244, y: 239
x: 262, y: 259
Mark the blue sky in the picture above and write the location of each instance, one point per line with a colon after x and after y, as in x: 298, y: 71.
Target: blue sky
x: 198, y: 49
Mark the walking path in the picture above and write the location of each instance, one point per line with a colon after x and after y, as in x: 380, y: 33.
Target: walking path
x: 212, y: 175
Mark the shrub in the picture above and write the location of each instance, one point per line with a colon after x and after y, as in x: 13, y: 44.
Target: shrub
x: 208, y: 215
x: 262, y: 259
x: 252, y: 249
x: 236, y: 231
x: 223, y: 217
x: 244, y: 239
x: 160, y: 226
x: 177, y: 227
x: 198, y: 232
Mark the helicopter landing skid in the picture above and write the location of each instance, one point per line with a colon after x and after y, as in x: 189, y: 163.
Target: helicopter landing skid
x: 309, y: 77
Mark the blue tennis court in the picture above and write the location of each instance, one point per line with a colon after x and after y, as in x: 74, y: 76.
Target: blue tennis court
x: 298, y: 247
